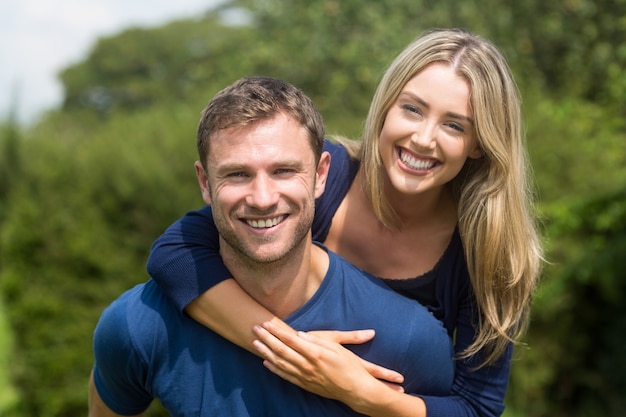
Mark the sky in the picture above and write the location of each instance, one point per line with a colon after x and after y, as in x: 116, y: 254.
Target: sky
x: 38, y: 38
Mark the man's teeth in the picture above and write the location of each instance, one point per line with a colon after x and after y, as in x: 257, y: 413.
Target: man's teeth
x: 262, y: 224
x: 415, y: 163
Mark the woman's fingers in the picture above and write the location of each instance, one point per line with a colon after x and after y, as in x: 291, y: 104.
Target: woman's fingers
x: 293, y: 351
x: 352, y: 337
x: 327, y: 338
x: 272, y: 348
x: 382, y: 373
x: 287, y: 354
x: 316, y: 362
x: 377, y: 371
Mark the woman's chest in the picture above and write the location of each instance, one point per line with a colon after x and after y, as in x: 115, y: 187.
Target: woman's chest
x: 358, y: 236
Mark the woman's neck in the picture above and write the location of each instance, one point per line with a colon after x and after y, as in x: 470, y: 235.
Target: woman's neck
x: 414, y: 210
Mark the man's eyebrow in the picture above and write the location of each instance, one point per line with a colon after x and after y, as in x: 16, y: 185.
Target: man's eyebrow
x: 226, y: 168
x: 291, y: 163
x: 237, y: 166
x: 229, y: 167
x: 421, y: 102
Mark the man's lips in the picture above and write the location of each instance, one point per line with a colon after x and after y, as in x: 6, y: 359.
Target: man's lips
x: 264, y: 223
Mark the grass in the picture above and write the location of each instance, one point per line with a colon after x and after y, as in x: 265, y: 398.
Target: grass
x: 8, y: 395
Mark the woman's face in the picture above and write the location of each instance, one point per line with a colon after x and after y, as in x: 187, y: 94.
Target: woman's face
x: 428, y: 133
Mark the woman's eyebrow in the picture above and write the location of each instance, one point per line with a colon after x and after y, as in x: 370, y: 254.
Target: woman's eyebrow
x: 421, y: 102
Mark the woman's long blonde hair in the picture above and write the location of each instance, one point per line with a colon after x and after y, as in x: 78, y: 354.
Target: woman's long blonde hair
x: 493, y: 194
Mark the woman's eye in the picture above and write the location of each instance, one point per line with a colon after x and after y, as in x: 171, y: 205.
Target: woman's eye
x: 456, y: 127
x: 411, y: 108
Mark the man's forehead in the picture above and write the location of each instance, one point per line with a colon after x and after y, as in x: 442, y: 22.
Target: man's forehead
x: 277, y: 136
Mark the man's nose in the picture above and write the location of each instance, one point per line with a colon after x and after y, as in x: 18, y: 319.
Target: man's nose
x: 263, y: 192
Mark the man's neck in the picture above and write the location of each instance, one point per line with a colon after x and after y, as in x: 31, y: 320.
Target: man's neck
x: 282, y: 286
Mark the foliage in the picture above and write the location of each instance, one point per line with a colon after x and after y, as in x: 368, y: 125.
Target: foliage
x: 9, y: 161
x: 569, y: 35
x: 576, y: 360
x: 574, y: 145
x: 84, y: 193
x: 140, y: 68
x: 8, y: 394
x: 80, y: 223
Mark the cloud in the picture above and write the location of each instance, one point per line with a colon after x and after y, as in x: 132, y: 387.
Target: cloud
x: 38, y: 38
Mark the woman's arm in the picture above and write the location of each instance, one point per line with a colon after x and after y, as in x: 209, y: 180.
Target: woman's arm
x: 186, y: 263
x: 328, y: 369
x: 228, y: 310
x: 185, y: 259
x: 475, y: 392
x: 332, y: 371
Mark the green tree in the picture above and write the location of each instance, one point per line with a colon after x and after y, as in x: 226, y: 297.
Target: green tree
x: 140, y: 68
x: 577, y: 148
x: 77, y: 232
x: 577, y: 46
x: 9, y: 159
x: 575, y: 364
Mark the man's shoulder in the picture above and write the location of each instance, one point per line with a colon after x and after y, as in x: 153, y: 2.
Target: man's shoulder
x: 117, y: 311
x: 359, y: 278
x: 137, y: 313
x: 401, y: 325
x: 139, y: 297
x: 371, y: 292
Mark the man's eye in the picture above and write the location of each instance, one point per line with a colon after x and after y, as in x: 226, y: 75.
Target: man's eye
x: 236, y: 174
x: 284, y: 171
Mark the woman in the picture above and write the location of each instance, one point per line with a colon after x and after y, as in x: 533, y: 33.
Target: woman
x: 434, y: 200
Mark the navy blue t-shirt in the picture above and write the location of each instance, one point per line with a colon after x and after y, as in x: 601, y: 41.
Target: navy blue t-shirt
x: 146, y: 349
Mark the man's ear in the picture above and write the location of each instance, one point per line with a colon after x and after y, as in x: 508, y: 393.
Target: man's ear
x: 203, y: 181
x: 321, y: 174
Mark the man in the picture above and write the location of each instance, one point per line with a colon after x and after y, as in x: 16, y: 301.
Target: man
x: 261, y: 168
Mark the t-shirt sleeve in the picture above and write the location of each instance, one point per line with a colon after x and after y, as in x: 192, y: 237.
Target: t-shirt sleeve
x: 119, y: 372
x: 185, y: 259
x: 475, y: 392
x: 431, y: 355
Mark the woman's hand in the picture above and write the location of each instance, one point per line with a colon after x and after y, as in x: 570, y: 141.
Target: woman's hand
x: 318, y: 363
x: 357, y: 337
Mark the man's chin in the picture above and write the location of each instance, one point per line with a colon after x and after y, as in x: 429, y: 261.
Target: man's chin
x: 266, y: 255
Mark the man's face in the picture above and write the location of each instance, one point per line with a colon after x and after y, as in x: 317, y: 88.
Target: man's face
x: 262, y: 182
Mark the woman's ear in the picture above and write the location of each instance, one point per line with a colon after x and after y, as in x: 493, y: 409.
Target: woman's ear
x: 475, y: 153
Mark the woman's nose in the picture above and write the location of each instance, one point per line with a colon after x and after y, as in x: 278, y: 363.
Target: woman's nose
x: 424, y: 136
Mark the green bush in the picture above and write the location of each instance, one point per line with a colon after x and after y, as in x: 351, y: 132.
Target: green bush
x: 575, y: 362
x: 78, y: 228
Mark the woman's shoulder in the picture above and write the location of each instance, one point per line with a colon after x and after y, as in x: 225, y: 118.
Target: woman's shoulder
x: 342, y: 172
